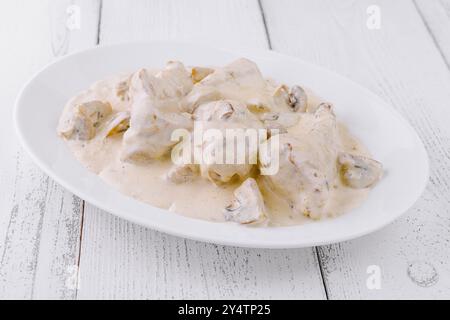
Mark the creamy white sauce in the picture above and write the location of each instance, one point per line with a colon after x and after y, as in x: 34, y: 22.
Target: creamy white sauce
x: 200, y: 198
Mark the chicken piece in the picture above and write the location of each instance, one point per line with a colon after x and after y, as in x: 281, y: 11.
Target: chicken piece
x: 198, y: 96
x: 220, y: 110
x: 307, y: 165
x: 173, y: 82
x: 319, y: 139
x: 280, y: 120
x: 182, y: 173
x: 224, y: 173
x: 81, y: 122
x: 227, y: 112
x: 118, y: 124
x: 299, y: 181
x: 150, y: 132
x: 176, y: 80
x: 155, y: 112
x: 200, y: 73
x: 359, y: 172
x: 241, y: 72
x: 313, y: 109
x: 225, y: 116
x: 248, y: 204
x: 241, y: 80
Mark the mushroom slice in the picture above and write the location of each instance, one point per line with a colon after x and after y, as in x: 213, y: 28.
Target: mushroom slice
x: 359, y: 172
x: 182, y: 173
x: 298, y: 100
x: 118, y: 124
x: 247, y: 205
x: 199, y: 73
x: 83, y: 120
x: 256, y: 106
x: 295, y: 98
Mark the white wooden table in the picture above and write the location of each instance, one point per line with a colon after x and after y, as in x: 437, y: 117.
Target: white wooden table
x: 54, y: 245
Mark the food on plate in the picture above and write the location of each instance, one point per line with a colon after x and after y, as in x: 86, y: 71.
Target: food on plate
x: 220, y: 143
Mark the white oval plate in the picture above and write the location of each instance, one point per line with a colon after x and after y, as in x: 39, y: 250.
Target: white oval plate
x: 388, y: 136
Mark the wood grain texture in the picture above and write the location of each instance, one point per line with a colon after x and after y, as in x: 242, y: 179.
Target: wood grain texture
x: 39, y: 221
x: 401, y: 63
x: 436, y: 16
x: 405, y: 62
x: 212, y: 22
x: 122, y: 260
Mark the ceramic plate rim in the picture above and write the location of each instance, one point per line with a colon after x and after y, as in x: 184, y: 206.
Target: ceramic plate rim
x: 167, y: 228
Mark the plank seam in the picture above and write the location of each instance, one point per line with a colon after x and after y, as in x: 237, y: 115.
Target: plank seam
x: 430, y: 32
x: 269, y: 42
x: 266, y: 29
x: 80, y: 241
x: 316, y: 249
x: 83, y: 204
x: 99, y: 25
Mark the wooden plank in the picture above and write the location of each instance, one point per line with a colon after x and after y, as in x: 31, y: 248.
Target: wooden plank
x: 122, y: 260
x: 39, y: 221
x: 401, y: 63
x: 215, y: 22
x: 436, y: 16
